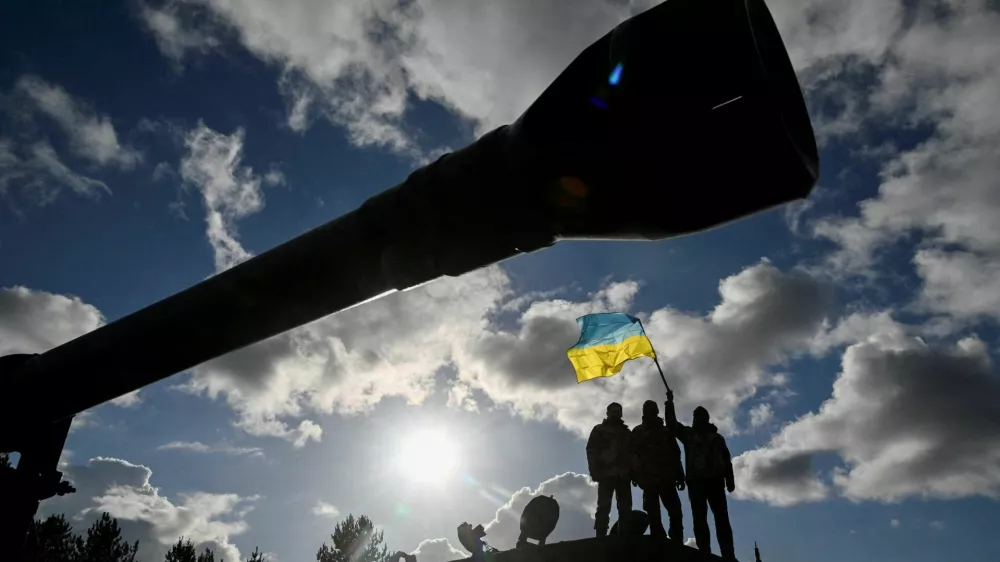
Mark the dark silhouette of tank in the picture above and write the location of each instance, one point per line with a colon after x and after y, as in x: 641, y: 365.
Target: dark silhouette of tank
x: 638, y: 523
x: 538, y: 520
x: 680, y: 119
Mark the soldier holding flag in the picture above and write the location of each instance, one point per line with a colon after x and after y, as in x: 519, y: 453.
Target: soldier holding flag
x: 709, y: 474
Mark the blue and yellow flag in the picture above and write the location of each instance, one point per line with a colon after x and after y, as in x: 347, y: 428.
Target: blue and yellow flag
x: 607, y: 341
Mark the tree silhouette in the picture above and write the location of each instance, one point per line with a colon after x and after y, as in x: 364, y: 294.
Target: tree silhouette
x: 5, y: 463
x: 53, y: 540
x: 207, y: 556
x: 183, y: 551
x: 354, y: 540
x: 104, y: 543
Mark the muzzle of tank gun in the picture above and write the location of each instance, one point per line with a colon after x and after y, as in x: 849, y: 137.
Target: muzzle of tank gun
x: 680, y: 119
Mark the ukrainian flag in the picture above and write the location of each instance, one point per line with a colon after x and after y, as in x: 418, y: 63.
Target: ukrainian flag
x: 607, y: 341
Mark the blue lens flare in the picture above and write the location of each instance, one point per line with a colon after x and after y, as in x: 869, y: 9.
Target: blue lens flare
x: 616, y: 75
x: 599, y: 102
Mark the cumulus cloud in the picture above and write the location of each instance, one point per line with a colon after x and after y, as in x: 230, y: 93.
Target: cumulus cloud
x: 230, y: 191
x: 577, y: 497
x: 438, y: 550
x: 34, y: 321
x: 323, y: 509
x: 123, y: 490
x: 777, y: 478
x: 394, y: 346
x: 895, y: 524
x: 199, y: 447
x: 356, y: 62
x: 906, y: 418
x: 91, y: 135
x: 718, y: 360
x: 347, y: 362
x: 934, y: 69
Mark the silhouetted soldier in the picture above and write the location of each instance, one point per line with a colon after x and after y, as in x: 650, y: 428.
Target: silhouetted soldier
x: 709, y: 472
x: 658, y: 471
x: 609, y: 458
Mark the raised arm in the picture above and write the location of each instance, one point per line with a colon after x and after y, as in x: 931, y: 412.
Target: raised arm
x: 679, y: 430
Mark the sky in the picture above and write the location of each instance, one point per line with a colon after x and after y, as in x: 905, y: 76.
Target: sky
x: 845, y: 345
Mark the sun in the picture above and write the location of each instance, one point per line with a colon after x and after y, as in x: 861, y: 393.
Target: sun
x: 428, y: 457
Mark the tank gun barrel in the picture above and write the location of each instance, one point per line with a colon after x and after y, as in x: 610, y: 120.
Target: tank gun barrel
x: 680, y: 119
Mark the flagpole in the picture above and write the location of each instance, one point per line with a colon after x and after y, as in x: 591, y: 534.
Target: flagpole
x: 655, y: 361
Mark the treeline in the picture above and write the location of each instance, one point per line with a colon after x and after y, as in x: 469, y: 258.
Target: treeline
x: 355, y: 539
x: 52, y: 540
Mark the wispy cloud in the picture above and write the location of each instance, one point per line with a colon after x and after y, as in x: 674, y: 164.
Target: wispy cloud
x: 199, y: 447
x: 230, y: 191
x: 129, y: 400
x: 91, y: 135
x: 323, y: 509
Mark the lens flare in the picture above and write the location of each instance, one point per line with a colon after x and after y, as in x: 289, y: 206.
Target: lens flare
x: 616, y: 75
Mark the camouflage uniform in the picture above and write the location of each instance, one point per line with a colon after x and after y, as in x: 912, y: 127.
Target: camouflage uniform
x: 609, y: 458
x: 709, y: 473
x: 658, y: 471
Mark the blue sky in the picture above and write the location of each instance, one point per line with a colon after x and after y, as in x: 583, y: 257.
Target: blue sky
x: 845, y: 345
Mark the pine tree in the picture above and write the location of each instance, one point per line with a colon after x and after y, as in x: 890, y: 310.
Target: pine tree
x: 183, y: 551
x: 354, y: 540
x: 257, y: 556
x: 104, y: 543
x: 207, y: 556
x: 53, y: 540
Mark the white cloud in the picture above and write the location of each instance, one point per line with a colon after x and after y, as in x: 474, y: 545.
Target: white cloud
x: 199, y: 447
x: 778, y: 478
x: 965, y: 285
x: 761, y: 415
x: 40, y: 173
x: 356, y: 62
x: 936, y: 525
x: 35, y: 321
x: 162, y: 170
x: 934, y: 69
x: 274, y: 177
x: 83, y: 420
x: 717, y: 360
x: 130, y: 400
x: 577, y: 497
x: 460, y: 397
x: 895, y: 524
x: 907, y: 419
x: 175, y: 39
x: 91, y: 135
x: 438, y: 550
x: 349, y: 361
x: 323, y: 509
x: 393, y: 346
x: 229, y: 190
x: 691, y: 541
x: 123, y: 490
